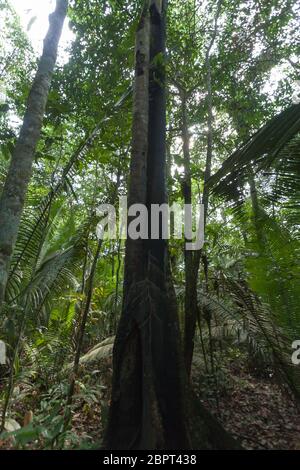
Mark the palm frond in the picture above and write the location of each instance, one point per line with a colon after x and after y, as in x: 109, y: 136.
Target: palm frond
x: 260, y: 151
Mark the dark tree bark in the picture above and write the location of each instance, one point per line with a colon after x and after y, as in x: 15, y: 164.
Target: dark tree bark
x: 15, y: 188
x: 147, y: 407
x: 191, y: 259
x: 151, y: 405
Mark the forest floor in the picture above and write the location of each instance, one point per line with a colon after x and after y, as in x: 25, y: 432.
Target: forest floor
x: 251, y: 407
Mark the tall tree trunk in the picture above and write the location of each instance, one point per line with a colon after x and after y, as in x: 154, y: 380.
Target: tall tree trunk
x: 257, y: 212
x: 15, y: 188
x: 147, y: 397
x: 83, y: 321
x: 210, y: 117
x: 191, y: 259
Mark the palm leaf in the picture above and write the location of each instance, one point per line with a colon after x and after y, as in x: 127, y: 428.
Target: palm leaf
x: 260, y: 150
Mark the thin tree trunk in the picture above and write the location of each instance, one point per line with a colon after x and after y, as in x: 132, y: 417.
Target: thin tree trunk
x: 15, y: 188
x: 192, y: 261
x: 190, y: 258
x: 210, y: 117
x: 256, y: 209
x: 81, y: 332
